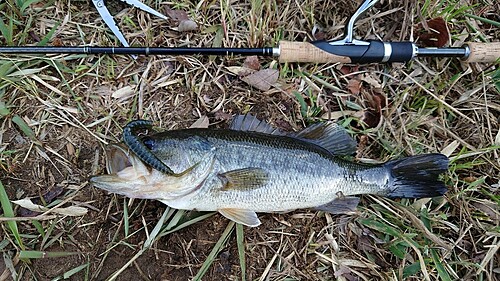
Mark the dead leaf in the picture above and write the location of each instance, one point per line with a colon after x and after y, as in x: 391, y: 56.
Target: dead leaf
x: 336, y: 115
x: 57, y: 42
x: 252, y: 62
x: 354, y: 86
x: 68, y: 211
x: 48, y: 197
x: 470, y: 179
x: 187, y: 25
x: 371, y: 81
x: 202, y: 123
x: 373, y: 114
x: 320, y: 35
x: 177, y: 15
x: 220, y: 115
x: 262, y: 79
x: 341, y: 271
x: 348, y: 69
x: 436, y: 36
x: 123, y: 93
x: 240, y: 70
x: 450, y: 148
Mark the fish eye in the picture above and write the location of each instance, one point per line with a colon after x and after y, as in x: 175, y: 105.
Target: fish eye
x: 148, y: 142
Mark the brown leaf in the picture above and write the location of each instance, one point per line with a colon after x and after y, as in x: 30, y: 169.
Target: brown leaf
x: 348, y: 69
x: 57, y: 42
x: 320, y: 35
x: 436, y: 36
x: 252, y: 62
x: 354, y: 86
x: 177, y: 15
x: 470, y: 179
x: 375, y: 101
x: 220, y: 115
x: 262, y: 79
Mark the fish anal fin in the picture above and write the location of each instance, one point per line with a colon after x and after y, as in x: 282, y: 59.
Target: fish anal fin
x: 330, y: 136
x: 245, y: 217
x: 246, y: 178
x: 340, y: 205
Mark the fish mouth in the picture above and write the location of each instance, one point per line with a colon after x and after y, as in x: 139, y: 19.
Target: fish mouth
x: 118, y: 158
x: 122, y: 167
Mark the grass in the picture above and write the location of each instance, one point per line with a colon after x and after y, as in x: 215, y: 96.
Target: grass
x: 58, y: 112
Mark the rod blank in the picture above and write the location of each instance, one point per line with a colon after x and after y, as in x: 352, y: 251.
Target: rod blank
x: 266, y: 51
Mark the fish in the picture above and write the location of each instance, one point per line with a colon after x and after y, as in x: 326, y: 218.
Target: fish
x: 253, y: 168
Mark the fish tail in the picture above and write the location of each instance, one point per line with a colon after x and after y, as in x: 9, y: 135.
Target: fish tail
x: 417, y: 176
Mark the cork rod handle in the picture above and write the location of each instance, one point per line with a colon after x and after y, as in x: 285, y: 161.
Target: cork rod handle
x: 484, y: 52
x: 307, y: 52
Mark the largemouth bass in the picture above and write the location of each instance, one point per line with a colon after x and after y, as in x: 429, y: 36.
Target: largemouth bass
x: 253, y: 167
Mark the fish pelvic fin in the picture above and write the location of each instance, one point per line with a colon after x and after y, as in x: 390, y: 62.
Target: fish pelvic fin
x: 247, y: 178
x: 330, y: 136
x: 340, y: 205
x: 245, y: 217
x: 417, y: 176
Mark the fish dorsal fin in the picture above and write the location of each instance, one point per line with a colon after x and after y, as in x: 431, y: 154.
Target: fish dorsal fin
x: 250, y: 123
x: 245, y: 217
x: 330, y: 136
x: 247, y: 178
x: 340, y: 205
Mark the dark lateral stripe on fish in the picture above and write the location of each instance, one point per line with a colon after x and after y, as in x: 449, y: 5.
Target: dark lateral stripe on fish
x: 274, y: 141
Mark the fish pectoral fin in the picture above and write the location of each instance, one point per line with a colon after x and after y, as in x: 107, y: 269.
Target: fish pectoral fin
x: 247, y: 178
x: 245, y: 217
x: 340, y: 205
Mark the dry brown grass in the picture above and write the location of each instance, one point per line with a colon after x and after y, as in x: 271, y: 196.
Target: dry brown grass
x: 76, y: 104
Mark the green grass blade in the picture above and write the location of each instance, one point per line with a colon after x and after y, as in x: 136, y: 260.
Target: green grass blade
x: 39, y: 227
x: 381, y: 227
x: 156, y: 230
x: 217, y: 248
x: 4, y: 110
x: 411, y: 270
x: 25, y: 128
x: 43, y: 255
x: 9, y: 213
x: 6, y: 32
x: 303, y: 104
x: 49, y: 35
x: 75, y: 270
x: 26, y: 4
x: 187, y: 223
x: 240, y: 241
x: 125, y: 217
x: 177, y: 217
x: 488, y: 21
x: 443, y: 274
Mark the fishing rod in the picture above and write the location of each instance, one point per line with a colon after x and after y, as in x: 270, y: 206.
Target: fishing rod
x: 347, y: 50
